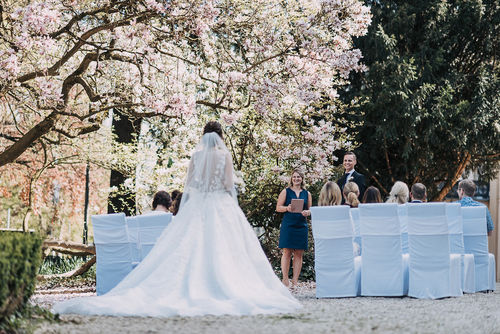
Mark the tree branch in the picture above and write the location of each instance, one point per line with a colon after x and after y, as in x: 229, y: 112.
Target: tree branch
x: 451, y: 182
x: 8, y: 137
x: 74, y: 19
x: 387, y: 161
x: 83, y: 269
x: 212, y: 105
x: 373, y: 177
x: 87, y: 249
x: 279, y: 54
x: 53, y: 70
x: 79, y: 131
x: 40, y: 129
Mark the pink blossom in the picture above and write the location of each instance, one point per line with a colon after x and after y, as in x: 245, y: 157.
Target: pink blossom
x: 9, y: 64
x: 230, y: 119
x: 156, y: 6
x: 235, y: 77
x: 49, y: 91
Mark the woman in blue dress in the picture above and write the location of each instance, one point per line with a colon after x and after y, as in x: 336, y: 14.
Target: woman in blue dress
x: 293, y: 231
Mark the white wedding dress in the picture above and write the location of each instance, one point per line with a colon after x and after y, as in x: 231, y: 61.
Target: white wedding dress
x: 207, y: 261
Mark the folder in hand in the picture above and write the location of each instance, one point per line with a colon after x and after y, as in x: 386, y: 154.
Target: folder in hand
x: 297, y: 205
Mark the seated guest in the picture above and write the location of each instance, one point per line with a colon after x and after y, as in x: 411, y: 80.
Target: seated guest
x: 399, y: 193
x: 174, y: 208
x: 161, y: 201
x: 330, y: 194
x: 372, y: 195
x: 351, y: 193
x: 174, y: 194
x: 418, y: 193
x: 467, y: 189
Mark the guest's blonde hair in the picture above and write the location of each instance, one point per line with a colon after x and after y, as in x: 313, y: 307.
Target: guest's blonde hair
x: 351, y: 193
x: 399, y: 193
x: 330, y: 194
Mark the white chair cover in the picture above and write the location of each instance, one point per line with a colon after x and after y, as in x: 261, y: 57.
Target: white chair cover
x: 354, y: 212
x: 113, y: 260
x: 383, y: 271
x: 133, y: 239
x: 456, y: 238
x: 492, y: 277
x: 455, y: 228
x: 151, y: 227
x: 403, y: 222
x: 337, y: 269
x: 476, y: 242
x: 434, y: 272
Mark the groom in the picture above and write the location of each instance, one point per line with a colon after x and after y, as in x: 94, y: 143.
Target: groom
x: 351, y: 175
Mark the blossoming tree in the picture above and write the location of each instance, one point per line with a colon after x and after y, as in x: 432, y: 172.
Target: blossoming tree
x: 263, y: 67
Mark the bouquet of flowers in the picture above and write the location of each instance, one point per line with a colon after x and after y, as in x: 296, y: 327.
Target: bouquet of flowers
x: 239, y: 183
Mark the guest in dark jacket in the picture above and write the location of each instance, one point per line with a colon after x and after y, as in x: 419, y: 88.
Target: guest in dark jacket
x: 351, y: 175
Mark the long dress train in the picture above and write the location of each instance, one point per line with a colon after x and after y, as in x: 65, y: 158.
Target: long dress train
x: 207, y: 261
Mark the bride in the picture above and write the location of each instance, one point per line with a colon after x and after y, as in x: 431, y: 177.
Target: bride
x: 207, y: 261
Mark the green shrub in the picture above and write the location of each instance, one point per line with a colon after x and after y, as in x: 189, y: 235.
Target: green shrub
x: 20, y: 258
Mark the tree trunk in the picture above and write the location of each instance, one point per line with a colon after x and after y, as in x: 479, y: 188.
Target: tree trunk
x: 68, y: 247
x: 26, y: 220
x: 449, y: 185
x: 372, y: 177
x: 79, y: 271
x: 124, y: 129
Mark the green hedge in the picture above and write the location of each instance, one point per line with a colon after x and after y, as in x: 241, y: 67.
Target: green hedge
x: 20, y: 259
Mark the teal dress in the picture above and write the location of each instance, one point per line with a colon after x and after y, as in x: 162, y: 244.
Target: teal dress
x: 293, y: 230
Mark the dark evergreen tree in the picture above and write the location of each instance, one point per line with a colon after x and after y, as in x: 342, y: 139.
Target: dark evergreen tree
x: 429, y: 103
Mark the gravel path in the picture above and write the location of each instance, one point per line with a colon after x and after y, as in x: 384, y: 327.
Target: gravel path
x: 472, y: 313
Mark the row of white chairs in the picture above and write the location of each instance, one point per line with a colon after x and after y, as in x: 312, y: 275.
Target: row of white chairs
x: 423, y: 250
x: 122, y: 243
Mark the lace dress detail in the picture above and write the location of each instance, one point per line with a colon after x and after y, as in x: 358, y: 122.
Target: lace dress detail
x: 215, y: 177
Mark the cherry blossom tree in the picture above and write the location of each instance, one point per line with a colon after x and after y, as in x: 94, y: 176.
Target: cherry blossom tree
x: 65, y: 64
x: 262, y: 67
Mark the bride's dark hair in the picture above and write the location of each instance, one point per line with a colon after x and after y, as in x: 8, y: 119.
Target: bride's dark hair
x: 213, y: 126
